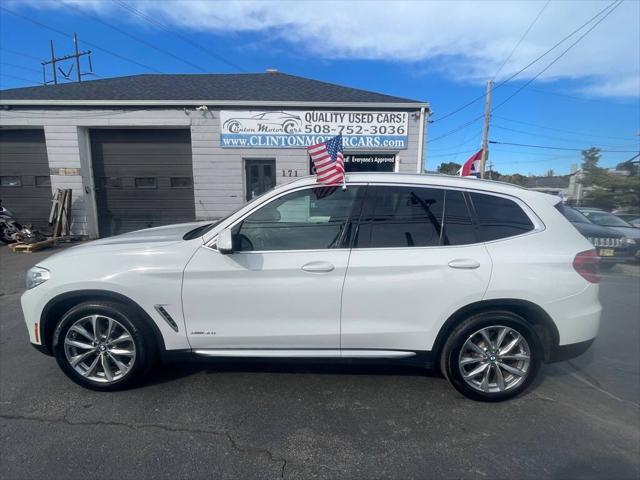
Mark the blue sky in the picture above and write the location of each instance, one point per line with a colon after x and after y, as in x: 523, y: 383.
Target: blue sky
x: 440, y: 52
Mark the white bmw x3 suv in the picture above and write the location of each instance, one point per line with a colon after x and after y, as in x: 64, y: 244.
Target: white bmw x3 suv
x: 482, y: 279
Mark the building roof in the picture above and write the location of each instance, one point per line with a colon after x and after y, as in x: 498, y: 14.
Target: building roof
x: 245, y: 88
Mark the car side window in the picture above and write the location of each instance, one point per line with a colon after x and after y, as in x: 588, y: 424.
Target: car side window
x: 401, y: 217
x: 458, y: 226
x: 310, y: 219
x: 499, y: 217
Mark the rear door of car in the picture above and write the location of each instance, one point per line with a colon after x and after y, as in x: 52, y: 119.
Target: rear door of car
x: 415, y: 260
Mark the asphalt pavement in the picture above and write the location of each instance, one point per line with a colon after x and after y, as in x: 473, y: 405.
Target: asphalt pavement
x: 581, y: 419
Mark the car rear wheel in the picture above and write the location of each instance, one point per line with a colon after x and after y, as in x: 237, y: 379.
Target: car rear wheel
x: 492, y: 356
x: 103, y: 346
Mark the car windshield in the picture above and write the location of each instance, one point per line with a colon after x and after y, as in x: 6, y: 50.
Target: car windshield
x: 606, y: 219
x: 203, y: 229
x: 573, y: 215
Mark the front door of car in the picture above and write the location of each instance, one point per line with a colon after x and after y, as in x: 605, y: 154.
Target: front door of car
x: 415, y: 260
x: 281, y: 287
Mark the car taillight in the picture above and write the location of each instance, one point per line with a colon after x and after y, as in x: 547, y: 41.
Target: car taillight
x: 587, y: 264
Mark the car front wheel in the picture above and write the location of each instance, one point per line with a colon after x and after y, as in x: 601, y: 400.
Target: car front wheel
x: 103, y: 346
x: 492, y: 356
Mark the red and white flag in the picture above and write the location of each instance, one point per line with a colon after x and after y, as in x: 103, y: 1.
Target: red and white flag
x: 328, y: 161
x: 471, y: 167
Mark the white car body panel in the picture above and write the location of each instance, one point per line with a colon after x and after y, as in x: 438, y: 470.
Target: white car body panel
x: 390, y: 299
x: 264, y: 299
x: 144, y: 266
x: 398, y: 298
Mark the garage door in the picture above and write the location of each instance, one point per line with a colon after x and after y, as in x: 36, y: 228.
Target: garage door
x: 143, y: 178
x: 25, y: 184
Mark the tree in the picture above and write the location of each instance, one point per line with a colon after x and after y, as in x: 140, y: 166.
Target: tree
x: 590, y: 159
x: 449, y: 168
x: 604, y: 190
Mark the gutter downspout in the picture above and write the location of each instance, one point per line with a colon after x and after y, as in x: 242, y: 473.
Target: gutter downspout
x: 420, y: 165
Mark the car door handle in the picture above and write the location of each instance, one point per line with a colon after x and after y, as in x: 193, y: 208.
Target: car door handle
x: 464, y: 263
x: 318, y: 267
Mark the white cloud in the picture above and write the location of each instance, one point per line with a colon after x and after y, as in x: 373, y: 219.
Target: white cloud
x: 465, y: 40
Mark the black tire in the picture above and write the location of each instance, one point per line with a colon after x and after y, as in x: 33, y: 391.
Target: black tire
x: 141, y: 333
x: 5, y: 233
x: 456, y: 340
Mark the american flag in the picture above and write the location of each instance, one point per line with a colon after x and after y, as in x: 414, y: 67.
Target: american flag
x: 328, y: 161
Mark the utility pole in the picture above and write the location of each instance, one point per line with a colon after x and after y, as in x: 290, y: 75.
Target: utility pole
x: 55, y: 69
x: 485, y: 134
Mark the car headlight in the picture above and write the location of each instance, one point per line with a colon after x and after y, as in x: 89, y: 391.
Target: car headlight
x: 36, y: 276
x: 628, y: 241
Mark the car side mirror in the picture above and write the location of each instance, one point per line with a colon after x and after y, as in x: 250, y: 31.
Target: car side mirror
x: 224, y: 244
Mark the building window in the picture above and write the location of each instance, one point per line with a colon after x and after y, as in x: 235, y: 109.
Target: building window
x: 43, y: 181
x: 112, y: 182
x: 10, y: 181
x: 145, y: 182
x: 181, y: 182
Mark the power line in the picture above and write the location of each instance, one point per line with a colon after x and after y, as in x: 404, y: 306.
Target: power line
x: 20, y: 54
x: 166, y: 29
x: 557, y: 148
x: 552, y: 137
x: 559, y: 56
x: 20, y: 67
x: 471, y: 102
x: 137, y: 39
x: 521, y: 39
x: 574, y: 97
x: 22, y: 79
x: 452, y: 154
x: 64, y: 34
x: 457, y: 129
x: 572, y: 132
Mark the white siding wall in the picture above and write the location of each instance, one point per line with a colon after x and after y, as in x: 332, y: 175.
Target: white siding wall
x: 218, y: 172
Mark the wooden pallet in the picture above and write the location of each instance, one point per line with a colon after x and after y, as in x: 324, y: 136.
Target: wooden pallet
x: 31, y: 247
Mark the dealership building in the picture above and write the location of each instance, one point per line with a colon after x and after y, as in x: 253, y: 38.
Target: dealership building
x: 148, y: 150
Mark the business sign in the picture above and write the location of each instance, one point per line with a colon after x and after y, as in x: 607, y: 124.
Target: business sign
x: 366, y: 162
x: 299, y: 129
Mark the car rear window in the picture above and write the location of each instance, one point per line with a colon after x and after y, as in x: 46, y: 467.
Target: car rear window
x: 499, y: 217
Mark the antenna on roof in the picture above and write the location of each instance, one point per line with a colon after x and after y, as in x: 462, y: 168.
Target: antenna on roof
x: 66, y: 74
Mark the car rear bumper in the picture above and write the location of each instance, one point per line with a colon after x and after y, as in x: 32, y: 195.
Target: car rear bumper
x: 565, y: 352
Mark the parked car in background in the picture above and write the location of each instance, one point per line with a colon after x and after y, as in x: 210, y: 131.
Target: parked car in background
x: 609, y: 220
x: 631, y: 218
x: 483, y: 280
x: 612, y: 246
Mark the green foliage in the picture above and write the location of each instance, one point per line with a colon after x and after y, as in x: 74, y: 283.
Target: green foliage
x: 605, y: 190
x: 449, y: 168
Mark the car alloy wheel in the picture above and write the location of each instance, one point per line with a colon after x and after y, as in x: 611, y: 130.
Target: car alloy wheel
x: 494, y: 359
x: 100, y: 348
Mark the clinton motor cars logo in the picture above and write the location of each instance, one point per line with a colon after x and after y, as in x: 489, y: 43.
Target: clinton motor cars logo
x: 300, y: 128
x: 265, y: 122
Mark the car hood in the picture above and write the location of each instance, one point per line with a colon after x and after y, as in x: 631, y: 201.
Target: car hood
x: 593, y: 230
x: 166, y: 233
x: 140, y: 240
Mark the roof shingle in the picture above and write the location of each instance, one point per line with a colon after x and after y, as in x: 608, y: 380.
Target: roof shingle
x: 224, y: 87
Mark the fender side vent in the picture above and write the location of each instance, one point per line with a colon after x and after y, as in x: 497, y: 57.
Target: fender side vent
x: 167, y: 318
